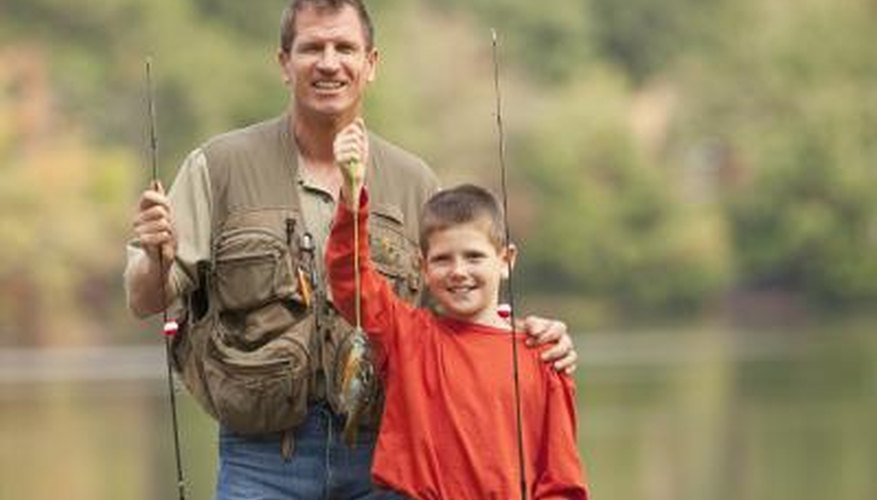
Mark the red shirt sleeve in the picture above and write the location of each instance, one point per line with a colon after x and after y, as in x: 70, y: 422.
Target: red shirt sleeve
x: 561, y: 473
x: 380, y: 307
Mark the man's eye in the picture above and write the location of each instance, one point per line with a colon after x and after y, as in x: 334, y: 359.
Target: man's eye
x: 308, y: 49
x: 346, y: 49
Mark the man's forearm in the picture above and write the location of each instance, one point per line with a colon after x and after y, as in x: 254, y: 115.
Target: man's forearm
x: 147, y: 292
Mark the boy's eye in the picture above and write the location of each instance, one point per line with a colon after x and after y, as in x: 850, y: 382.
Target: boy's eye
x: 439, y: 259
x: 475, y: 256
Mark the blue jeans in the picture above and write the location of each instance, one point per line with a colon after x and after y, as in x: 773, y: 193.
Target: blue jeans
x: 321, y: 466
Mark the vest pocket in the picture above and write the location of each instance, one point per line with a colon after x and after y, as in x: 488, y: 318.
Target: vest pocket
x: 393, y: 254
x: 255, y: 363
x: 252, y: 267
x: 258, y: 391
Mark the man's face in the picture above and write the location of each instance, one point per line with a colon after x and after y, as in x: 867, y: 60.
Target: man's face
x: 328, y: 66
x: 463, y: 269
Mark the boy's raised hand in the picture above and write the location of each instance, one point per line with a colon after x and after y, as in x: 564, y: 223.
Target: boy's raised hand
x: 351, y: 153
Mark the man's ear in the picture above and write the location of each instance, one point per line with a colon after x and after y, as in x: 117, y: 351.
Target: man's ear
x: 282, y: 60
x: 509, y: 256
x: 372, y: 58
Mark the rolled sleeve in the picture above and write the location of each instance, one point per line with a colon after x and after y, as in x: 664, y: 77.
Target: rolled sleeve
x: 191, y: 209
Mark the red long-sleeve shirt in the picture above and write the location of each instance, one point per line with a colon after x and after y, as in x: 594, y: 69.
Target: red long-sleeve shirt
x: 449, y: 428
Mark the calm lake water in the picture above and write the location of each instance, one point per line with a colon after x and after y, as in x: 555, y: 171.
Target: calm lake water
x: 705, y: 414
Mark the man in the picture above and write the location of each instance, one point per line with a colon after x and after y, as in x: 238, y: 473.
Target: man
x: 238, y: 242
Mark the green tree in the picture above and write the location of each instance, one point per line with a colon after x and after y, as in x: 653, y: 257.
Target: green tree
x: 796, y: 107
x: 610, y: 222
x: 64, y: 208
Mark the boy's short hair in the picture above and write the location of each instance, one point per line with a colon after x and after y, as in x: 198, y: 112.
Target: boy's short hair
x: 460, y: 205
x: 288, y: 19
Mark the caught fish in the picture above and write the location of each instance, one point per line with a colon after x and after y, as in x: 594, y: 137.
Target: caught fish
x: 357, y: 379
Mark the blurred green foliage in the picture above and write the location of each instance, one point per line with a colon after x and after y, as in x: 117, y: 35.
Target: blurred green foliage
x: 661, y: 154
x: 794, y: 107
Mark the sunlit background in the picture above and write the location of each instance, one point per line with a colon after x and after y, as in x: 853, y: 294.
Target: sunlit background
x: 693, y: 184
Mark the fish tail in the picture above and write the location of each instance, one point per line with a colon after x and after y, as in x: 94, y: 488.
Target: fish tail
x: 351, y: 425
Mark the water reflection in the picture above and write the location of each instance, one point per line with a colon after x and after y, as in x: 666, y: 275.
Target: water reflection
x: 699, y: 415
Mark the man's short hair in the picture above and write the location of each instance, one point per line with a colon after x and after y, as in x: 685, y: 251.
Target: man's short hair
x: 461, y: 205
x: 288, y: 18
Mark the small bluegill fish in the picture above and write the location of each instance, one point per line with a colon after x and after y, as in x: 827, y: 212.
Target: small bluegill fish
x: 356, y: 384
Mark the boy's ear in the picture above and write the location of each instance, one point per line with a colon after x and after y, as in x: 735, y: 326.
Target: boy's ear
x: 421, y: 262
x: 509, y: 256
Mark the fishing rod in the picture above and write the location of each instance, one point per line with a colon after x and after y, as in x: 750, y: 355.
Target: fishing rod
x: 510, y: 311
x: 169, y: 326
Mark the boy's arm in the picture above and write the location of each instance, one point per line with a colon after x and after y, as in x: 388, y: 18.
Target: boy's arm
x: 561, y: 475
x: 380, y: 308
x: 381, y: 311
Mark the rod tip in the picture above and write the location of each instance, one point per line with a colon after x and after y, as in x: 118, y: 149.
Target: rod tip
x: 493, y: 34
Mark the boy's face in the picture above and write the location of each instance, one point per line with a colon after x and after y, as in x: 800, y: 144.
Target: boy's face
x: 463, y: 270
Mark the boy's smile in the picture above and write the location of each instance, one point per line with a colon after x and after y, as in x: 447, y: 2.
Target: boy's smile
x: 463, y: 270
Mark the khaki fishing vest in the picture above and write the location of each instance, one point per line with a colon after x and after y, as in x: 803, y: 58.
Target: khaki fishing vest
x: 259, y: 341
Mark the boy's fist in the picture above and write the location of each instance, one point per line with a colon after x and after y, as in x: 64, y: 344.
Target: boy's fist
x: 351, y: 153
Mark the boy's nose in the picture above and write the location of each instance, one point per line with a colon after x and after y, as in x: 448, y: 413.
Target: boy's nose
x: 458, y: 268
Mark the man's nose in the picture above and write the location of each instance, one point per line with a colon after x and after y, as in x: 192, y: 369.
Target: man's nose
x: 328, y: 59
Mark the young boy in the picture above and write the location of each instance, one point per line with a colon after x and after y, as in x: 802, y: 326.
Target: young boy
x: 449, y: 428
